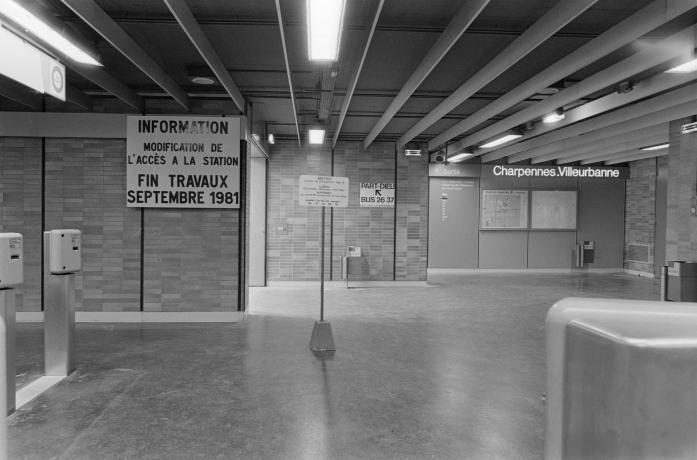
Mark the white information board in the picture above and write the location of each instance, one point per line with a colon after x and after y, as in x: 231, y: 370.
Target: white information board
x: 554, y: 209
x: 329, y: 191
x: 376, y: 195
x: 183, y: 162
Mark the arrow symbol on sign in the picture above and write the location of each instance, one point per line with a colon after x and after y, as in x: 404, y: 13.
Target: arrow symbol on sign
x: 377, y: 192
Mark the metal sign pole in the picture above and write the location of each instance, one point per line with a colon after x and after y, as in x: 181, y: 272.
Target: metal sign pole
x: 321, y: 271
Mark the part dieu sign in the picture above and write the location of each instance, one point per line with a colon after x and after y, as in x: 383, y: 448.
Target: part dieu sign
x: 376, y: 195
x: 183, y: 162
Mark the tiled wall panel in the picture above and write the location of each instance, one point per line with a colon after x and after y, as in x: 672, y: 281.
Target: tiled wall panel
x: 293, y: 231
x: 20, y: 210
x: 85, y: 189
x: 640, y: 216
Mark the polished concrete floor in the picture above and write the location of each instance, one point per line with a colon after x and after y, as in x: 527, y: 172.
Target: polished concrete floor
x: 454, y: 370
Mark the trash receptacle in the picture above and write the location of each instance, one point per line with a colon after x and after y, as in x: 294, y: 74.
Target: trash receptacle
x: 682, y: 281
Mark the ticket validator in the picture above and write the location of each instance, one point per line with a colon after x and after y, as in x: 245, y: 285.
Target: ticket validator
x: 11, y: 275
x: 62, y: 259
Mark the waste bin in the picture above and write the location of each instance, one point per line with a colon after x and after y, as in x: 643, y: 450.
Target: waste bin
x: 585, y: 253
x: 682, y: 281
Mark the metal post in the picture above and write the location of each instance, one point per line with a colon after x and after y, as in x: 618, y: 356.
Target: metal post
x: 4, y: 449
x: 664, y: 283
x: 59, y: 319
x: 321, y: 272
x: 8, y: 315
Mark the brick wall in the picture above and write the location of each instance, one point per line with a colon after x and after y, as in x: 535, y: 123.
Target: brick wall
x: 640, y: 216
x: 85, y: 189
x: 293, y: 231
x: 20, y: 210
x: 681, y: 225
x: 190, y: 258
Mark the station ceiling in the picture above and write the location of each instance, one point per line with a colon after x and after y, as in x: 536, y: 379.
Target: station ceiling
x: 447, y: 75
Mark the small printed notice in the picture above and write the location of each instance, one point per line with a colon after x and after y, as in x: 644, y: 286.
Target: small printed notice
x: 329, y: 191
x: 377, y: 195
x: 183, y: 162
x: 504, y: 209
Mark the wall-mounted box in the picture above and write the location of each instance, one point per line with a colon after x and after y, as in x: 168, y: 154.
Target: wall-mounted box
x: 353, y: 251
x: 11, y: 260
x: 65, y: 251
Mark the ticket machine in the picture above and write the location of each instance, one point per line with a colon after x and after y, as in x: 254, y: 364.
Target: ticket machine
x: 62, y: 259
x: 11, y: 275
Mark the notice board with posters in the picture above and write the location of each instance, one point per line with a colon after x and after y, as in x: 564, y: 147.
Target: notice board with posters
x: 504, y: 209
x: 183, y: 162
x: 553, y: 209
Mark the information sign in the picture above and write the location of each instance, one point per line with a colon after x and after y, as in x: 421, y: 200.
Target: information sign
x: 183, y: 162
x: 329, y: 191
x: 377, y: 195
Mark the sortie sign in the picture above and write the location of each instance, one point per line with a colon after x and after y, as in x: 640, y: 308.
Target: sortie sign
x: 183, y: 162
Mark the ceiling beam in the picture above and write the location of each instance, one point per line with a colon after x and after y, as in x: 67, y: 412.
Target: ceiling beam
x: 97, y: 18
x: 452, y: 33
x: 181, y: 12
x: 15, y: 92
x: 613, y: 143
x: 354, y: 79
x: 646, y: 113
x: 640, y: 23
x: 77, y: 97
x: 290, y: 80
x: 614, y: 149
x: 556, y: 18
x: 679, y: 44
x: 643, y: 89
x: 637, y: 156
x: 612, y: 155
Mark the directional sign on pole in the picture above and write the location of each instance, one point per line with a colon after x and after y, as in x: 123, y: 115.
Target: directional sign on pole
x: 329, y: 191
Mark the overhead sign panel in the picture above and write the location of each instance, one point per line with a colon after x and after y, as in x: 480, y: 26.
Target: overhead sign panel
x: 581, y: 172
x: 183, y: 162
x: 30, y: 66
x: 329, y: 191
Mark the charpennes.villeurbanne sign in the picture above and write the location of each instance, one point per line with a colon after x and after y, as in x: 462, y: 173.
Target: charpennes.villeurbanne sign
x: 557, y: 171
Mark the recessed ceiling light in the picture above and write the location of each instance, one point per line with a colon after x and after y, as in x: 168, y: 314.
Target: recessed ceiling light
x: 500, y: 140
x: 17, y: 14
x: 459, y: 157
x: 324, y: 23
x: 199, y: 80
x: 655, y: 147
x: 316, y: 136
x: 689, y: 66
x: 557, y: 115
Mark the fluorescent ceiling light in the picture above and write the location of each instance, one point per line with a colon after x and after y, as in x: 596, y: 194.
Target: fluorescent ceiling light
x: 316, y: 136
x: 655, y: 147
x: 412, y: 152
x: 689, y: 66
x: 501, y: 140
x: 459, y: 157
x: 14, y: 12
x: 554, y: 117
x: 324, y: 24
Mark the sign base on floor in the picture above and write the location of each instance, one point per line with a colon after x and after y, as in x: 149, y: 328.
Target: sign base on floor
x: 322, y: 338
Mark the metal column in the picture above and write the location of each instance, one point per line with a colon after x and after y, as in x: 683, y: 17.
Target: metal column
x: 59, y: 319
x: 8, y: 316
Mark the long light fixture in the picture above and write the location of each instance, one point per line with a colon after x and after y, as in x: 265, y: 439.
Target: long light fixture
x: 459, y: 157
x: 316, y: 136
x: 557, y: 115
x: 324, y: 23
x: 32, y: 24
x: 500, y: 140
x: 655, y: 147
x: 689, y: 66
